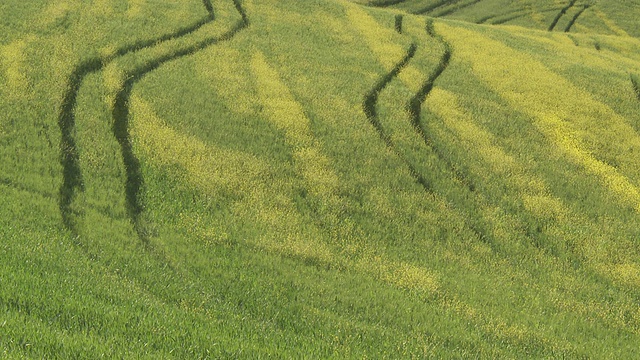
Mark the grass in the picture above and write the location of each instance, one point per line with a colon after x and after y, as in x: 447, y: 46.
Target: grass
x: 327, y: 179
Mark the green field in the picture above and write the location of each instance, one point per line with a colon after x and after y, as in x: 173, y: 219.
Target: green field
x: 319, y: 179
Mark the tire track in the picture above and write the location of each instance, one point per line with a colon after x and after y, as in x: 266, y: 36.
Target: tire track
x: 515, y: 14
x: 385, y: 3
x: 69, y: 156
x: 456, y: 8
x: 436, y: 5
x: 398, y: 23
x: 561, y: 14
x: 636, y: 85
x: 369, y: 108
x: 575, y: 18
x: 121, y: 116
x: 414, y: 106
x: 414, y: 109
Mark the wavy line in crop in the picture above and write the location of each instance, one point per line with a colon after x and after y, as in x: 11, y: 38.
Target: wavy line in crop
x: 121, y: 116
x: 431, y: 7
x: 575, y: 18
x: 561, y: 14
x: 69, y: 156
x: 455, y: 8
x: 369, y: 108
x: 515, y: 14
x: 21, y: 187
x: 385, y: 3
x: 414, y: 106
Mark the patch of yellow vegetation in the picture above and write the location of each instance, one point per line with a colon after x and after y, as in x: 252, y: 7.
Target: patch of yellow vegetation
x: 564, y: 113
x: 400, y: 274
x: 135, y: 8
x: 229, y: 78
x: 56, y: 12
x: 287, y: 114
x: 610, y: 23
x: 209, y: 168
x: 13, y: 60
x: 383, y: 42
x: 113, y: 79
x: 627, y: 274
x: 102, y: 8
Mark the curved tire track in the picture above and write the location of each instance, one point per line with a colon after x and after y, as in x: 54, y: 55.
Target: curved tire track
x: 561, y: 14
x: 69, y: 156
x: 414, y: 106
x: 575, y: 18
x: 515, y: 14
x: 369, y: 108
x: 635, y: 83
x: 398, y: 23
x: 456, y: 8
x: 121, y: 116
x: 385, y: 3
x: 434, y: 6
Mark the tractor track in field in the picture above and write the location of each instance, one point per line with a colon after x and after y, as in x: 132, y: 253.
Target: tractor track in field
x: 369, y: 108
x: 514, y: 14
x: 414, y: 109
x: 398, y: 23
x: 434, y: 6
x: 455, y: 8
x: 635, y: 83
x: 414, y: 106
x: 69, y: 158
x: 575, y: 18
x: 387, y: 3
x: 121, y: 115
x: 562, y: 12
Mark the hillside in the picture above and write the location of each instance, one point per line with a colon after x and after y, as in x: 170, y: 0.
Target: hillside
x: 320, y: 179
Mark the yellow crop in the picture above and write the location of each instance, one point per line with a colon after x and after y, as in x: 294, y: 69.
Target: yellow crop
x: 610, y: 23
x: 228, y: 78
x: 135, y: 7
x: 209, y: 168
x: 13, y: 62
x: 568, y: 116
x: 383, y: 42
x: 288, y: 115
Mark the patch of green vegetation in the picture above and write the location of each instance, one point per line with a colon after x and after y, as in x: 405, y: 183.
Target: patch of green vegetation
x: 242, y: 178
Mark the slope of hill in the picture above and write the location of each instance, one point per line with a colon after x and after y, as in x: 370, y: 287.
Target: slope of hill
x: 243, y: 178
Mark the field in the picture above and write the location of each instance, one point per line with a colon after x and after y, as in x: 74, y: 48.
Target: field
x: 319, y: 179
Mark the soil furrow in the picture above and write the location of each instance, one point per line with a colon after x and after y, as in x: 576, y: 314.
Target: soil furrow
x: 575, y: 18
x: 69, y: 159
x: 561, y: 14
x: 121, y: 116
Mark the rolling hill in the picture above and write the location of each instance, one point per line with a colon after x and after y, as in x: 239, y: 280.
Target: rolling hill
x: 319, y: 179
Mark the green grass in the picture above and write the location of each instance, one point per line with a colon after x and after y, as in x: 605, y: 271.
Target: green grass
x: 309, y: 179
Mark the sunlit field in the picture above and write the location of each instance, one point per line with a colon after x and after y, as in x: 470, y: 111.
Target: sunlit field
x: 319, y: 179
